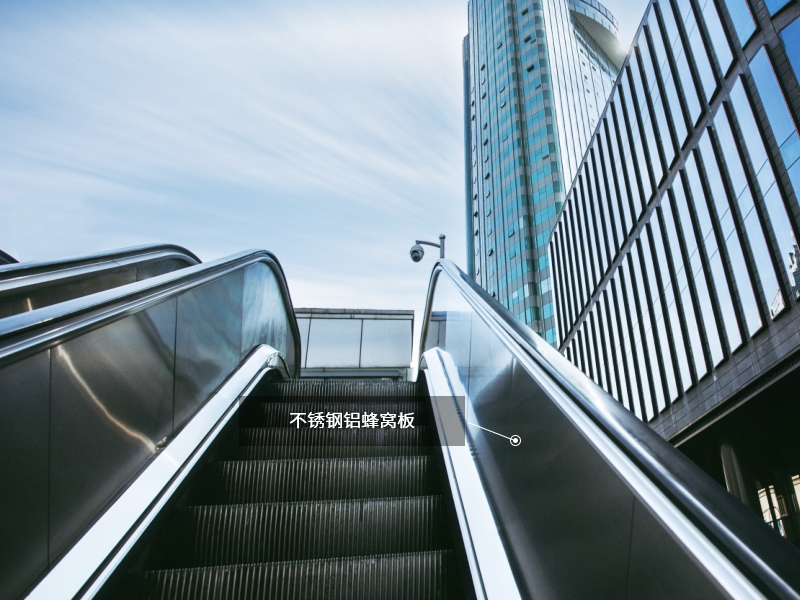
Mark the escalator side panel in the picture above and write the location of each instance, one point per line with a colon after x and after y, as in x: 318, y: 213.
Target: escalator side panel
x: 109, y: 411
x: 656, y: 561
x: 111, y: 405
x: 260, y: 324
x: 561, y: 507
x: 23, y: 472
x: 208, y: 341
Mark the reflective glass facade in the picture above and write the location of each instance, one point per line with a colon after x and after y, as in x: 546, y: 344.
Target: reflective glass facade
x: 674, y: 258
x: 536, y: 78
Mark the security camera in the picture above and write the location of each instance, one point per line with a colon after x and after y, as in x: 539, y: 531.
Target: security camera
x: 417, y: 253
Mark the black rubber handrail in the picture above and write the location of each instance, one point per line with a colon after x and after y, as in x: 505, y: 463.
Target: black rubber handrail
x: 17, y: 269
x: 25, y: 334
x: 769, y: 562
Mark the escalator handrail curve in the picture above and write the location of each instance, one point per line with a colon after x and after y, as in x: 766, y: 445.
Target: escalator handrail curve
x: 24, y: 269
x: 24, y: 334
x: 7, y: 259
x: 768, y: 561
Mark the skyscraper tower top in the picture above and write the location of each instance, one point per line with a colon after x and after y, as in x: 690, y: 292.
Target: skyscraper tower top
x: 536, y: 77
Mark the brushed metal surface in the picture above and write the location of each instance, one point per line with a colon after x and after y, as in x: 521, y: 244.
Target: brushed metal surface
x: 264, y: 318
x: 24, y: 414
x: 565, y: 514
x: 117, y: 530
x: 209, y: 338
x: 111, y: 405
x: 659, y: 568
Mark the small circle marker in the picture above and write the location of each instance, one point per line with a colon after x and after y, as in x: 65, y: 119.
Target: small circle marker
x: 515, y: 440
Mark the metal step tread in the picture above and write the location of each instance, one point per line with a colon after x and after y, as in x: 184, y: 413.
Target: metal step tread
x: 291, y: 480
x: 406, y: 576
x: 320, y: 388
x: 268, y: 443
x: 280, y: 531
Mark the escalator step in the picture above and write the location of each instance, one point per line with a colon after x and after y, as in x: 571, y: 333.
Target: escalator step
x: 245, y: 533
x: 271, y: 412
x: 414, y: 576
x: 266, y: 443
x: 238, y: 482
x: 320, y: 388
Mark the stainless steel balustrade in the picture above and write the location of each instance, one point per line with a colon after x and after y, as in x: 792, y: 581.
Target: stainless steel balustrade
x: 31, y: 285
x: 92, y: 388
x: 592, y: 503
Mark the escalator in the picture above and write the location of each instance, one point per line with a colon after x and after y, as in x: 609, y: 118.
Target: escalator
x: 350, y: 515
x: 166, y: 450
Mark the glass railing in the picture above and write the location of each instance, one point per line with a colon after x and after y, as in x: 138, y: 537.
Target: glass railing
x: 590, y: 502
x: 91, y: 390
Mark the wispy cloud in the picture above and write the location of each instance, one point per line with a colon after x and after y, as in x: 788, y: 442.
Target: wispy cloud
x: 330, y: 133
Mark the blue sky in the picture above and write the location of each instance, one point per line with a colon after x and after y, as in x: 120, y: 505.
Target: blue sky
x: 328, y: 132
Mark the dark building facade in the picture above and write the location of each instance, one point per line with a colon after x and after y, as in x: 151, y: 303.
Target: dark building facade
x: 674, y: 257
x: 536, y: 76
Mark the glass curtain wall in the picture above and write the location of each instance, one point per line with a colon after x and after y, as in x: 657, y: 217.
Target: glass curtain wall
x: 676, y: 245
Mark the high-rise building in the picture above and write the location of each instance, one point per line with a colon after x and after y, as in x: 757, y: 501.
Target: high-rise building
x: 675, y: 253
x: 536, y: 76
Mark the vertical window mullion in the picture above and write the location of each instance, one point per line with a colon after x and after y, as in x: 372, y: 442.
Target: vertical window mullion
x: 672, y: 60
x: 759, y: 262
x: 677, y: 366
x: 582, y: 259
x: 698, y: 280
x: 630, y: 396
x: 714, y: 252
x: 612, y: 198
x: 605, y: 229
x: 647, y: 324
x: 637, y: 339
x: 741, y: 272
x: 620, y: 176
x: 591, y: 243
x: 684, y: 289
x: 567, y: 309
x: 609, y: 339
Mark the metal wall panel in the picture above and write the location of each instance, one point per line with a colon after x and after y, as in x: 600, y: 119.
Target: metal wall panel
x: 334, y: 343
x: 111, y: 404
x: 23, y: 472
x: 386, y: 343
x: 208, y: 341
